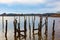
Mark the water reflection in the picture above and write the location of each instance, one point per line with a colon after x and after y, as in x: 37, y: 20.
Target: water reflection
x: 40, y: 29
x: 29, y: 29
x: 33, y: 21
x: 53, y: 31
x: 46, y: 28
x: 6, y: 30
x: 34, y: 38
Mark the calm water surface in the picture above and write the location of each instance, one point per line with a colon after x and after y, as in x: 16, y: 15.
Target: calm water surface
x: 10, y: 34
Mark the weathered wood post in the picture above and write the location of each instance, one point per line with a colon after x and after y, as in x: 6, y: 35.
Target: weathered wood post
x: 33, y: 20
x: 46, y: 28
x: 19, y: 31
x: 40, y: 29
x: 6, y: 30
x: 29, y: 29
x: 53, y: 31
x: 15, y: 25
x: 25, y: 27
x: 19, y: 28
x: 2, y: 23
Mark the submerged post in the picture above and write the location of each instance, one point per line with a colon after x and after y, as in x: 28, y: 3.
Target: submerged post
x: 6, y: 30
x: 46, y: 28
x: 53, y: 31
x: 40, y: 29
x: 15, y: 25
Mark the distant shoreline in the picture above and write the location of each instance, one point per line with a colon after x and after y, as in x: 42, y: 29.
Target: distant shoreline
x: 43, y: 15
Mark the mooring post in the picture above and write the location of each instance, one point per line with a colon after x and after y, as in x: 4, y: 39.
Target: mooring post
x: 46, y: 28
x: 2, y: 23
x: 25, y: 27
x: 40, y: 29
x: 53, y: 31
x: 33, y: 20
x: 6, y: 30
x: 15, y: 25
x: 29, y: 28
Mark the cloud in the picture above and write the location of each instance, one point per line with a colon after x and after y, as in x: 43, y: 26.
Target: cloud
x: 35, y: 6
x: 56, y: 5
x: 51, y: 6
x: 22, y: 1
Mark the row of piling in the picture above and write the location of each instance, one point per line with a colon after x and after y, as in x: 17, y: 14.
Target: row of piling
x: 17, y: 29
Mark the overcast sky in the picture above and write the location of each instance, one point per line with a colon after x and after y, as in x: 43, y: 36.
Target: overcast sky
x: 29, y: 6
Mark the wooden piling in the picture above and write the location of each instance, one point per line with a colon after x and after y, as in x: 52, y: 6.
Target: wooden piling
x: 15, y: 25
x: 25, y: 27
x: 33, y: 26
x: 6, y: 30
x: 53, y: 31
x: 40, y: 29
x: 19, y: 30
x: 29, y: 29
x: 46, y: 28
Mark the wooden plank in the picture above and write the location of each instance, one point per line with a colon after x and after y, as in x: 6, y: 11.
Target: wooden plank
x: 36, y: 29
x: 21, y: 35
x: 22, y: 30
x: 19, y: 30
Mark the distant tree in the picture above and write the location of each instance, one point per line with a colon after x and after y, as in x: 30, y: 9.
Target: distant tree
x: 4, y: 13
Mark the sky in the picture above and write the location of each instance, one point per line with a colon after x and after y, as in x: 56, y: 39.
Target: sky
x: 29, y: 6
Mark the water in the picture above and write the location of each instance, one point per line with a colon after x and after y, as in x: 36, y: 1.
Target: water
x: 10, y: 34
